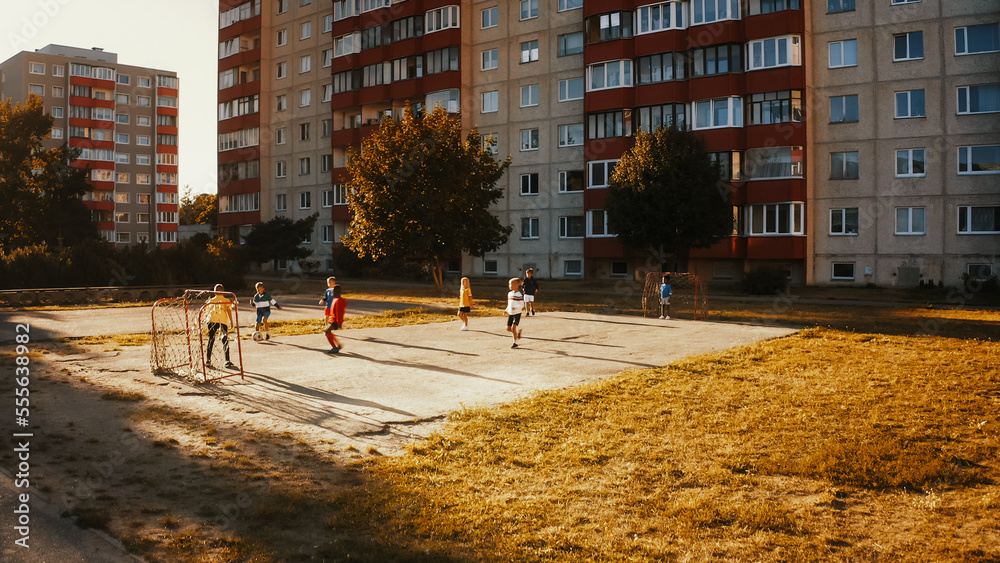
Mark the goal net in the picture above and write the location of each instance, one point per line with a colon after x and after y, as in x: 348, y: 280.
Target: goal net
x: 688, y: 295
x: 188, y: 338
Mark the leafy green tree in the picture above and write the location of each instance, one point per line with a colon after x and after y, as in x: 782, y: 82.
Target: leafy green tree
x: 279, y: 239
x: 418, y: 191
x: 39, y: 189
x: 198, y: 209
x: 665, y: 195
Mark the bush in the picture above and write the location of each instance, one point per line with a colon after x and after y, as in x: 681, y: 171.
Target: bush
x: 765, y: 280
x: 31, y: 266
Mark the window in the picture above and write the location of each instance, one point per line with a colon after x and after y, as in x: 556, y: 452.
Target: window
x: 36, y: 89
x: 709, y: 61
x: 909, y: 163
x: 758, y: 7
x: 441, y: 18
x: 405, y: 68
x: 491, y: 17
x: 339, y: 194
x: 600, y: 172
x: 730, y: 165
x: 529, y: 227
x: 570, y: 181
x: 983, y: 159
x: 281, y: 70
x: 142, y: 160
x: 908, y: 46
x: 304, y: 131
x: 609, y: 124
x: 979, y: 272
x: 979, y: 220
x: 122, y: 216
x: 664, y: 67
x: 305, y: 200
x: 898, y: 2
x: 142, y: 101
x: 529, y: 139
x: 982, y: 98
x: 570, y: 5
x: 305, y: 64
x: 346, y: 45
x: 122, y: 118
x: 279, y: 136
x: 714, y: 10
x: 305, y: 30
x: 773, y: 52
x: 36, y: 68
x: 143, y: 179
x: 57, y: 133
x: 573, y: 267
x: 658, y: 17
x: 529, y: 9
x: 612, y: 74
x: 529, y: 51
x: 652, y: 118
x: 491, y: 142
x: 570, y: 89
x: 608, y: 27
x: 910, y: 104
x: 844, y: 221
x: 721, y: 112
x: 304, y: 167
x: 773, y: 162
x: 280, y: 169
x: 910, y: 221
x: 529, y: 184
x: 844, y: 53
x: 844, y: 166
x: 973, y: 39
x: 571, y: 135
x: 570, y: 44
x: 282, y: 37
x: 763, y: 219
x: 491, y: 59
x: 775, y: 107
x: 305, y: 98
x: 572, y: 227
x: 843, y: 271
x: 442, y: 60
x: 121, y: 138
x: 282, y: 6
x: 844, y: 109
x: 597, y: 224
x: 142, y: 217
x: 57, y: 92
x: 60, y: 70
x: 491, y: 101
x: 489, y: 267
x: 142, y: 140
x: 529, y: 95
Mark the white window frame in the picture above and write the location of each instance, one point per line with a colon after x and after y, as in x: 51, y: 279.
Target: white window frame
x: 967, y: 155
x: 605, y: 229
x: 908, y: 155
x: 529, y: 51
x: 909, y: 97
x: 528, y: 9
x: 788, y: 47
x: 529, y: 184
x: 491, y: 101
x: 844, y: 168
x: 733, y: 113
x: 439, y: 19
x: 491, y: 59
x: 731, y: 9
x: 967, y: 211
x: 796, y: 217
x: 566, y: 139
x: 837, y: 51
x: 843, y: 214
x: 490, y: 17
x: 282, y: 38
x: 607, y: 169
x: 965, y: 98
x: 833, y: 270
x: 909, y: 46
x: 530, y: 140
x: 564, y: 227
x: 280, y: 169
x: 964, y: 31
x: 564, y: 89
x: 305, y: 30
x: 575, y: 270
x: 624, y: 73
x: 534, y: 226
x: 305, y: 64
x: 910, y: 213
x: 530, y: 95
x: 305, y: 200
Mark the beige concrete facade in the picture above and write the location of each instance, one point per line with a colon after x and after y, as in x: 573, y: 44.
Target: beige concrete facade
x: 884, y: 251
x: 543, y: 248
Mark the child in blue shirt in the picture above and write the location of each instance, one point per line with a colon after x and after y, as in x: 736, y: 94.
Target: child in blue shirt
x: 665, y: 291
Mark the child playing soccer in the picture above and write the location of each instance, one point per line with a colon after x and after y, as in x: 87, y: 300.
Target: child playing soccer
x: 334, y: 307
x: 515, y: 302
x: 220, y: 318
x: 465, y: 303
x: 262, y: 302
x: 529, y: 288
x: 665, y: 291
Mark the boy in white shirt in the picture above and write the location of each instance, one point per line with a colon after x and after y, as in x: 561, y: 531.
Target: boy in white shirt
x: 515, y: 303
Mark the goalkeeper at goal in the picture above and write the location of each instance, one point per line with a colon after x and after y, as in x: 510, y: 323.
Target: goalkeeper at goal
x: 220, y: 318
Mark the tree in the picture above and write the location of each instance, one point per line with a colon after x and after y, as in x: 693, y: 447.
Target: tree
x: 279, y: 239
x: 418, y: 191
x: 39, y: 189
x: 665, y: 195
x: 200, y: 209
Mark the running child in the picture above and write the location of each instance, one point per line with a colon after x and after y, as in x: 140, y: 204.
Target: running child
x: 262, y: 302
x: 220, y: 318
x: 515, y: 302
x: 334, y: 308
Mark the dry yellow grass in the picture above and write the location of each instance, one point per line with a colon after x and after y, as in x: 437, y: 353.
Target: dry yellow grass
x: 823, y: 446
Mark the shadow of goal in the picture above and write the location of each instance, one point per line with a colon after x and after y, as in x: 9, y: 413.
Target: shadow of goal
x: 687, y: 292
x: 186, y: 343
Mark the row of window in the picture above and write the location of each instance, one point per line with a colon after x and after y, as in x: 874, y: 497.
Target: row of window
x: 845, y: 271
x: 96, y: 94
x: 162, y: 178
x: 911, y: 163
x: 403, y: 68
x: 913, y: 221
x: 337, y: 195
x: 103, y: 73
x: 969, y: 40
x: 972, y: 99
x: 305, y: 166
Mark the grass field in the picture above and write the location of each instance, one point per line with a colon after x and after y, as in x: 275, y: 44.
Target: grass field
x: 871, y: 435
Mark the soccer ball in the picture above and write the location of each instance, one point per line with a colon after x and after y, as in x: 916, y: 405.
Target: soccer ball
x: 257, y: 336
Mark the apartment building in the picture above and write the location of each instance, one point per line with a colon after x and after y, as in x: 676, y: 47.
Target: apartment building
x: 275, y: 121
x: 906, y: 179
x: 123, y: 118
x: 810, y: 107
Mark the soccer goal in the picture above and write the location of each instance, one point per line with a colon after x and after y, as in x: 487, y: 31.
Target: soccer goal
x: 688, y: 293
x: 183, y: 343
